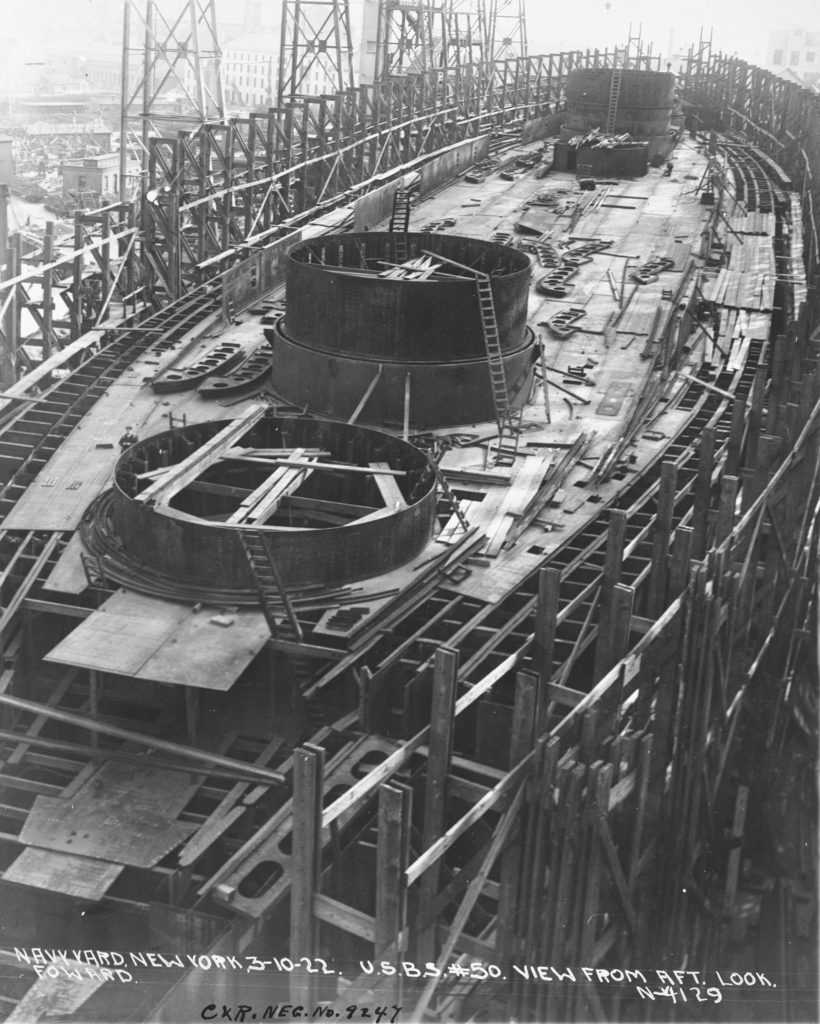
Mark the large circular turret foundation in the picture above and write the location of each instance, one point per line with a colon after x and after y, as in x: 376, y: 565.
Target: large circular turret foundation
x: 363, y: 503
x: 413, y: 339
x: 644, y: 107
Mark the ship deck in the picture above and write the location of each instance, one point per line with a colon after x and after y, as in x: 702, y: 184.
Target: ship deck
x: 603, y: 467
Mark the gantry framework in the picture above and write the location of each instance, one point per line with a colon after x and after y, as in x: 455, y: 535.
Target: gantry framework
x: 316, y: 44
x: 171, y: 74
x: 506, y: 29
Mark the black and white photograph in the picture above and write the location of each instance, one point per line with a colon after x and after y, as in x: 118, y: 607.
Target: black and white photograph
x: 409, y: 511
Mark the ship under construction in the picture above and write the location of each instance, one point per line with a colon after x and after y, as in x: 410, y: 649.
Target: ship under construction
x: 408, y: 555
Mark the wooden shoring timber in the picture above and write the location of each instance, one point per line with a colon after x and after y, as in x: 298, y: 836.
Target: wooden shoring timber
x: 445, y: 670
x: 8, y: 618
x: 509, y: 910
x: 736, y: 436
x: 599, y: 843
x: 392, y: 855
x: 470, y: 898
x: 536, y: 856
x: 563, y: 861
x: 546, y: 618
x: 680, y: 561
x: 616, y: 534
x: 261, y: 503
x: 306, y: 809
x: 703, y: 491
x: 180, y: 475
x: 656, y: 597
x: 726, y: 509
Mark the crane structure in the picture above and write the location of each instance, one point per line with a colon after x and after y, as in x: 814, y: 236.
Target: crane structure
x: 412, y: 37
x: 171, y: 74
x: 467, y: 33
x: 316, y: 53
x: 506, y: 29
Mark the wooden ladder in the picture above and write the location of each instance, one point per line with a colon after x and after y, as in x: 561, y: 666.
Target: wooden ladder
x: 272, y: 594
x: 495, y: 360
x: 273, y: 597
x: 614, y: 94
x: 399, y: 224
x: 452, y: 500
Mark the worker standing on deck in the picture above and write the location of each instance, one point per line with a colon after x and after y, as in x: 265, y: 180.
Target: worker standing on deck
x: 128, y: 439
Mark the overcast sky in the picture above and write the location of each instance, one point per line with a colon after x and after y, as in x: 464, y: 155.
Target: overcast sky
x: 739, y: 27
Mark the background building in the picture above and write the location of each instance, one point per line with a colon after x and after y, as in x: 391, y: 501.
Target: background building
x: 795, y: 54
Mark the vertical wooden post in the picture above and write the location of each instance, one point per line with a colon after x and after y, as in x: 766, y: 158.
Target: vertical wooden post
x: 612, y: 569
x: 656, y: 599
x: 308, y: 781
x: 681, y: 554
x: 756, y: 400
x: 546, y: 617
x: 726, y: 509
x: 93, y: 703
x: 445, y: 667
x: 613, y: 630
x: 48, y: 251
x: 392, y: 858
x: 735, y: 438
x: 733, y: 867
x: 703, y: 492
x: 76, y: 313
x: 520, y: 746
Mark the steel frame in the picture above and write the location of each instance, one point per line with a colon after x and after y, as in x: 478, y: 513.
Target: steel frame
x: 315, y: 33
x: 182, y: 51
x: 507, y: 29
x: 466, y: 41
x: 412, y: 37
x: 68, y: 296
x: 229, y: 187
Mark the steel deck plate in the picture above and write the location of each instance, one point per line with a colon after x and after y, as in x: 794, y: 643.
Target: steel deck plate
x: 123, y: 814
x: 81, y: 877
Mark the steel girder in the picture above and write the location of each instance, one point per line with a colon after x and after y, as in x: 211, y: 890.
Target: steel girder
x: 315, y: 37
x: 213, y: 193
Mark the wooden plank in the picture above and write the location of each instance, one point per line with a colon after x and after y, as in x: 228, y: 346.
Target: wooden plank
x: 263, y: 502
x: 524, y: 486
x: 334, y: 467
x: 180, y: 475
x: 306, y: 809
x: 342, y: 916
x: 388, y: 488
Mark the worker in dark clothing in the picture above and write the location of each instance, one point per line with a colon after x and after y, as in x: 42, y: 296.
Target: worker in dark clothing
x: 128, y: 439
x: 668, y: 172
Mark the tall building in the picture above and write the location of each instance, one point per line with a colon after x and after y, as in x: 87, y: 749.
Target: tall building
x: 795, y: 52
